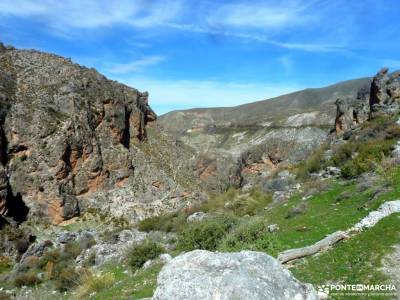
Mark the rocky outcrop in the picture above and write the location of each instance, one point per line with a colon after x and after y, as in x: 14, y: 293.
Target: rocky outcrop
x: 202, y: 275
x: 350, y: 112
x: 382, y: 96
x: 385, y: 90
x: 69, y: 138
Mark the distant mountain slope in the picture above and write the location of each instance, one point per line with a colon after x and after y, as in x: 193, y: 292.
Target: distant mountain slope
x: 235, y: 145
x: 321, y: 99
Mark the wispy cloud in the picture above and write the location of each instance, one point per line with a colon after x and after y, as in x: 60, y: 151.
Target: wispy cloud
x: 263, y: 15
x: 74, y: 14
x: 259, y: 37
x: 260, y: 21
x: 135, y: 66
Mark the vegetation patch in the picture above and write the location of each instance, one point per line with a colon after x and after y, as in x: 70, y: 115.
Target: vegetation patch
x: 353, y: 261
x: 251, y: 235
x: 94, y: 283
x: 139, y: 254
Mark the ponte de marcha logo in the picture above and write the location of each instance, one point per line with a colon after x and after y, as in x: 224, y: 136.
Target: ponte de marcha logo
x: 324, y: 290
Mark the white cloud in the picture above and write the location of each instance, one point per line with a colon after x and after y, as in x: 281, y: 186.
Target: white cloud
x: 70, y: 14
x: 135, y: 66
x: 259, y: 37
x: 263, y: 15
x: 243, y: 20
x: 167, y: 95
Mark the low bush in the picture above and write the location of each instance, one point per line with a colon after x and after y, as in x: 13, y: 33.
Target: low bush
x: 230, y: 202
x: 90, y: 260
x: 314, y: 163
x: 219, y: 202
x: 59, y: 266
x: 90, y: 283
x: 28, y: 279
x: 53, y: 256
x: 251, y: 235
x: 250, y: 204
x: 139, y: 254
x: 368, y: 155
x: 65, y: 278
x: 71, y: 250
x: 201, y: 235
x: 297, y: 210
x: 166, y: 222
x: 393, y: 131
x: 5, y: 264
x: 344, y: 153
x: 388, y: 170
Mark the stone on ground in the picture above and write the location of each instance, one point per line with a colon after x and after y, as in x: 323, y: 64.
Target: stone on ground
x: 203, y: 275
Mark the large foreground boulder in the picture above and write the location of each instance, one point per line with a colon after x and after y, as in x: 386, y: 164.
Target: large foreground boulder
x: 227, y: 276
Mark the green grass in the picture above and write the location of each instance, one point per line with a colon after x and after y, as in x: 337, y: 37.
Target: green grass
x: 128, y: 285
x: 356, y: 260
x: 323, y: 215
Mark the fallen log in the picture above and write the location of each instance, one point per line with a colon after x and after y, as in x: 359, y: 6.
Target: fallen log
x: 321, y: 245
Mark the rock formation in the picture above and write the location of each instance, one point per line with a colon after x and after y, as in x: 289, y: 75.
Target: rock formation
x: 385, y: 90
x: 383, y: 96
x: 70, y: 138
x: 204, y: 275
x: 352, y: 111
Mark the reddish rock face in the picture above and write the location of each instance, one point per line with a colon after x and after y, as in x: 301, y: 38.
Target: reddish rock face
x: 65, y: 132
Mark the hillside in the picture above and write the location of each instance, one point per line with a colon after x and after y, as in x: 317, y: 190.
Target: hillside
x: 72, y: 139
x: 243, y: 145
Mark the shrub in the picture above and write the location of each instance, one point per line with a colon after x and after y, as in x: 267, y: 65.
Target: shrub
x: 393, y: 131
x: 299, y: 209
x: 65, y: 278
x: 71, y: 250
x: 201, y: 235
x: 343, y: 153
x: 370, y: 153
x: 28, y: 279
x: 139, y: 254
x: 166, y: 222
x: 237, y: 203
x: 90, y: 260
x: 53, y: 256
x: 90, y: 283
x: 31, y: 261
x: 5, y: 264
x: 251, y: 235
x: 312, y: 164
x: 251, y: 204
x: 219, y: 202
x: 21, y: 245
x: 388, y: 171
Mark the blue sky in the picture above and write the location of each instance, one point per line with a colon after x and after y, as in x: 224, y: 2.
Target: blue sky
x: 189, y: 53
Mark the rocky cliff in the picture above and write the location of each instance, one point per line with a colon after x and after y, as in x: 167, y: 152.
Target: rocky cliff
x: 244, y: 145
x: 381, y: 97
x: 70, y: 138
